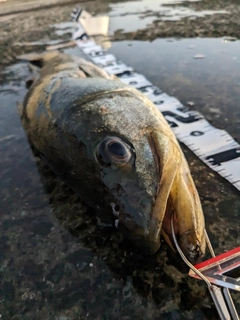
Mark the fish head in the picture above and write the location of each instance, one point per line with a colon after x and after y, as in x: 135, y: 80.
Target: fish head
x: 140, y: 162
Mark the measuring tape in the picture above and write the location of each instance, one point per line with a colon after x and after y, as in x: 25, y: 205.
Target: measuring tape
x: 213, y: 146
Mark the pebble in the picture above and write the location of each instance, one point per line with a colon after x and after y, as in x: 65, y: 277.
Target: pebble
x: 229, y: 39
x: 199, y: 56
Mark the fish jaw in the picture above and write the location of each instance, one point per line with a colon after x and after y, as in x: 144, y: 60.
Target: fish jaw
x: 177, y: 195
x: 188, y: 211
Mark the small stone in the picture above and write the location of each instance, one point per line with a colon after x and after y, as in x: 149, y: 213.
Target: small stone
x: 91, y: 264
x: 116, y: 223
x: 23, y: 213
x: 103, y: 109
x: 215, y: 110
x: 199, y: 56
x: 190, y: 103
x: 229, y: 39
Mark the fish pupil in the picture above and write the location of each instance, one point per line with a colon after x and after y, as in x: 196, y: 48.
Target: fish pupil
x: 112, y: 152
x: 117, y: 149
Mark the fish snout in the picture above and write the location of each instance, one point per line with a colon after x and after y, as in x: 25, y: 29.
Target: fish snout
x: 192, y: 247
x: 178, y: 196
x: 186, y: 207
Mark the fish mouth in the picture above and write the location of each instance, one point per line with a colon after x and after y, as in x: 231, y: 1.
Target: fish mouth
x: 177, y: 196
x: 192, y: 245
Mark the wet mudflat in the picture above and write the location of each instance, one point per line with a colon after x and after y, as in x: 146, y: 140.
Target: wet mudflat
x: 55, y: 261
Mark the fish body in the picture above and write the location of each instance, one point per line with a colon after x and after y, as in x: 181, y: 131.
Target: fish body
x: 112, y: 146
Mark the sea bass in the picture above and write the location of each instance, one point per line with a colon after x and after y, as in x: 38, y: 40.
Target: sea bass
x: 112, y: 146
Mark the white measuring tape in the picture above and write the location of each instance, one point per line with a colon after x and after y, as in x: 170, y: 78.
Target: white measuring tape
x: 213, y: 146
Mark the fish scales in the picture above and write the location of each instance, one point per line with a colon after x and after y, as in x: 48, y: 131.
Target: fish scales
x: 111, y: 145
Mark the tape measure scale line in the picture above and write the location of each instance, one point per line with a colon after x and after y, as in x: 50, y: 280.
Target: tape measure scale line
x: 213, y: 146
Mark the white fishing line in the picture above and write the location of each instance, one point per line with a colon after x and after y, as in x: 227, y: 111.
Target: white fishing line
x: 213, y: 146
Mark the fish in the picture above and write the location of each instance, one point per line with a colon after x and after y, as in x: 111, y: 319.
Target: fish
x: 113, y: 147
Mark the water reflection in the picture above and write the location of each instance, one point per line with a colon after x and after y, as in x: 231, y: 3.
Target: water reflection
x: 142, y: 13
x: 211, y: 83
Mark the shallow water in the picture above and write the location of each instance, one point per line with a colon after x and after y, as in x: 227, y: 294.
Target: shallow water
x: 142, y: 13
x: 55, y: 262
x: 203, y: 71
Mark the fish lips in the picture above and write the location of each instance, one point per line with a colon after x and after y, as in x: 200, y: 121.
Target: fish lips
x: 176, y: 195
x: 184, y: 207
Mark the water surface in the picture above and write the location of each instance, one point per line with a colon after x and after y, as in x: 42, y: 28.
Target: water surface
x: 203, y: 71
x: 140, y: 14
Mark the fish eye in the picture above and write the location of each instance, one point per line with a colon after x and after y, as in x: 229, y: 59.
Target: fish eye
x: 113, y: 152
